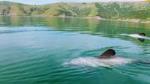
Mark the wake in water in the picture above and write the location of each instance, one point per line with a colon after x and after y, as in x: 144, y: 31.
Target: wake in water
x: 96, y: 62
x: 137, y: 36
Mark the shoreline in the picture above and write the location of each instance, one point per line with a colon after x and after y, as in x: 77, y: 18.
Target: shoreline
x: 146, y: 21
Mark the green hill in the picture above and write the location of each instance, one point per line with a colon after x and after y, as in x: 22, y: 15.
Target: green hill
x: 114, y: 10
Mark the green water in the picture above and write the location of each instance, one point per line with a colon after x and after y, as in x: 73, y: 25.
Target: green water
x: 33, y: 50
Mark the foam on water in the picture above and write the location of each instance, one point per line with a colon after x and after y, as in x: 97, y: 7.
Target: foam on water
x: 96, y: 62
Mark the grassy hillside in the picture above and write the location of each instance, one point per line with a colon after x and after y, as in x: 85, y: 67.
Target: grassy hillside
x: 115, y: 10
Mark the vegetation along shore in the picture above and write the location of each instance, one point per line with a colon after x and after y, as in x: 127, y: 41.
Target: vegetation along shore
x: 117, y: 11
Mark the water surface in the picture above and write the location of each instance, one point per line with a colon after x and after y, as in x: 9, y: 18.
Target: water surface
x: 33, y: 50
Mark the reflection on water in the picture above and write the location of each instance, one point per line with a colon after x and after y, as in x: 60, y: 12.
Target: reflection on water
x: 85, y: 26
x: 34, y: 49
x: 92, y: 25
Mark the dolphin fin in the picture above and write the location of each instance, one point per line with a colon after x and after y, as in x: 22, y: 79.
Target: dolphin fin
x: 108, y: 54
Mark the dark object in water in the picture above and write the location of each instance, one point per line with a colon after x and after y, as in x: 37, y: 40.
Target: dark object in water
x: 110, y: 53
x: 142, y: 34
x: 141, y: 39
